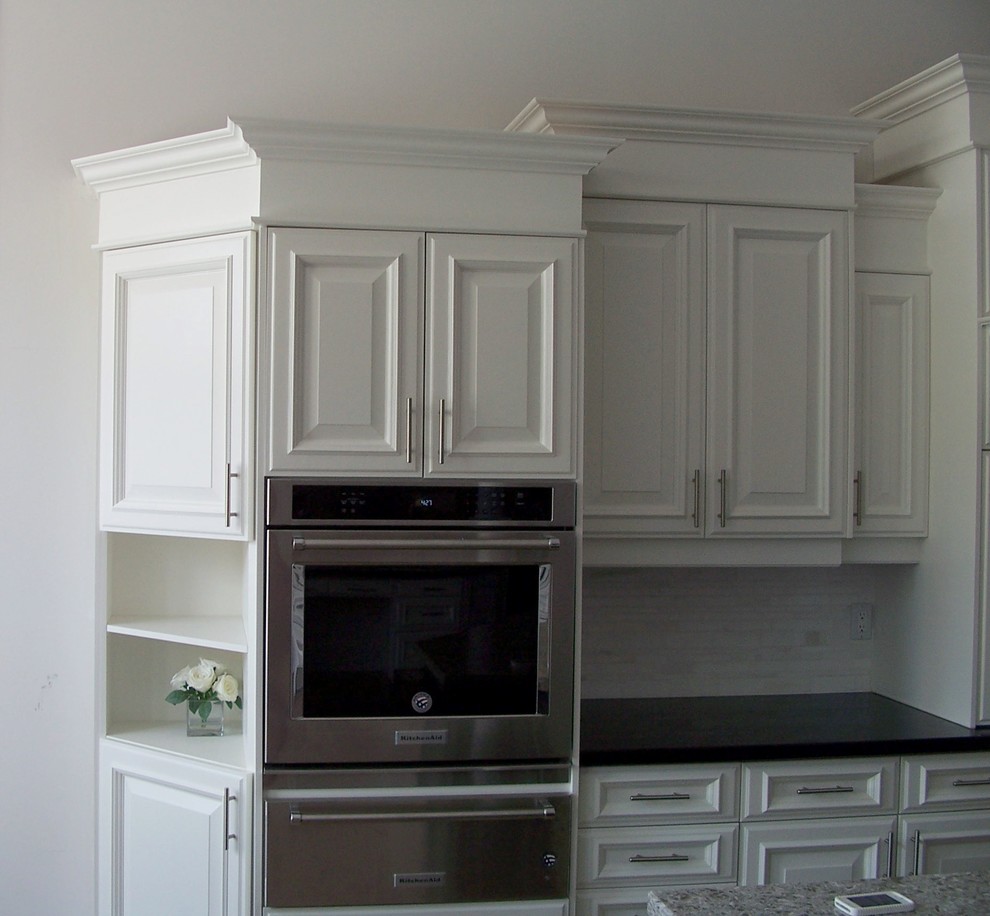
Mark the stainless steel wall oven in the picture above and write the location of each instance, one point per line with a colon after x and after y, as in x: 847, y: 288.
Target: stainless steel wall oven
x: 419, y: 622
x: 419, y: 692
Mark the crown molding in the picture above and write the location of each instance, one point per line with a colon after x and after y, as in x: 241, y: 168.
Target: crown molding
x: 896, y: 200
x: 491, y: 150
x: 182, y: 157
x: 732, y: 128
x: 952, y: 77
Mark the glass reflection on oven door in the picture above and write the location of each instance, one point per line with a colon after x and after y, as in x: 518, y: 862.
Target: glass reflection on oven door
x: 371, y: 642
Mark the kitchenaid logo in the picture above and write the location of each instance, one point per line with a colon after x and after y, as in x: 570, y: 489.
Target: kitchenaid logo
x: 432, y: 737
x: 421, y: 879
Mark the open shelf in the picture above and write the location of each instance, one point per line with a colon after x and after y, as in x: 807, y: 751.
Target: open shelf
x: 225, y: 633
x: 226, y: 749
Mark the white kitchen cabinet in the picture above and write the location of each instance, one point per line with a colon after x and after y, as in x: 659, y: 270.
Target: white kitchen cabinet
x: 778, y: 285
x: 644, y: 368
x: 842, y: 849
x: 406, y: 353
x: 945, y: 814
x: 175, y: 836
x: 890, y: 482
x: 716, y: 370
x: 645, y: 826
x: 839, y: 787
x: 176, y: 401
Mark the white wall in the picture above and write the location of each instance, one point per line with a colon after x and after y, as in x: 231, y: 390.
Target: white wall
x: 78, y: 78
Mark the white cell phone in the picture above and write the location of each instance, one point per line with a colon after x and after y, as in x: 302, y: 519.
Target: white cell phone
x: 869, y: 904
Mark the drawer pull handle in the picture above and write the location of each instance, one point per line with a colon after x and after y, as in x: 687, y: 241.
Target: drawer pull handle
x: 825, y: 790
x: 673, y: 857
x: 670, y: 796
x: 971, y: 782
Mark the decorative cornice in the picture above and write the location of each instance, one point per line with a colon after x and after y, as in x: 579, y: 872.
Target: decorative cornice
x: 893, y: 200
x: 734, y: 128
x: 492, y: 150
x: 182, y: 157
x: 955, y: 76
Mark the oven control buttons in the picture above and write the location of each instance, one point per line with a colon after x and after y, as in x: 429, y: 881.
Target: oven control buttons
x: 422, y: 702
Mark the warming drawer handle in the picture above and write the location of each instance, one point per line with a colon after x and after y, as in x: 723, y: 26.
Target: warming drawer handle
x: 440, y: 543
x: 825, y: 790
x: 971, y: 782
x: 543, y: 810
x: 669, y: 796
x: 673, y: 857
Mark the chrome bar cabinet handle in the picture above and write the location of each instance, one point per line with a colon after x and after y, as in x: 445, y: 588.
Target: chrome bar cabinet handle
x: 696, y: 486
x: 723, y: 486
x: 440, y: 429
x: 227, y: 513
x: 673, y: 857
x: 824, y: 790
x: 971, y: 782
x: 857, y: 498
x: 409, y: 435
x: 670, y: 796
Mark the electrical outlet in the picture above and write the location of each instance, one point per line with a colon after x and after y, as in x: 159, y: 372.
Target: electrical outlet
x: 861, y: 621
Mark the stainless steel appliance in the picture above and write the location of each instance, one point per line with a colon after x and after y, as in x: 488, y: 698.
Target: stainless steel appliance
x: 415, y: 836
x: 419, y: 622
x: 419, y: 664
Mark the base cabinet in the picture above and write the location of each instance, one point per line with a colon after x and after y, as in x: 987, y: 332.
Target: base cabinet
x: 777, y: 822
x: 175, y: 836
x: 849, y: 849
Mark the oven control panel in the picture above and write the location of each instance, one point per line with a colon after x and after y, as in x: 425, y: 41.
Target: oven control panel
x: 331, y: 503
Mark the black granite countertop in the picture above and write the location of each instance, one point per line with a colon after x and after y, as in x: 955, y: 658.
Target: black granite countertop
x: 617, y: 732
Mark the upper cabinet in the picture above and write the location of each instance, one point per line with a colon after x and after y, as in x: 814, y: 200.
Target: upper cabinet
x: 710, y: 372
x: 891, y: 351
x: 407, y: 353
x: 177, y: 364
x: 719, y: 276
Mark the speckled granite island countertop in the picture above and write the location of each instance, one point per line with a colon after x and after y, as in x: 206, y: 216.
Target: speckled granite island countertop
x: 627, y: 732
x: 946, y: 895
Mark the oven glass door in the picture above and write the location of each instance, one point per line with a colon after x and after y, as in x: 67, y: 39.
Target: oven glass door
x: 431, y: 634
x: 409, y: 640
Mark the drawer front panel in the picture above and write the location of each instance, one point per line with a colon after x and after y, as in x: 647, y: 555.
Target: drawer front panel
x: 819, y: 788
x: 669, y: 855
x: 843, y: 849
x: 658, y: 795
x: 946, y: 782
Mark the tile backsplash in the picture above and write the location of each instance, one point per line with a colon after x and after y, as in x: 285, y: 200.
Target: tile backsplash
x: 719, y: 632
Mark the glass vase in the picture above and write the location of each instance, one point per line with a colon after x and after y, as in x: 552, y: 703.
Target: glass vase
x: 198, y: 727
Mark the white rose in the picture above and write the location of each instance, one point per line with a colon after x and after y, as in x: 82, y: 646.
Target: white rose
x: 201, y: 677
x: 227, y: 688
x: 179, y: 678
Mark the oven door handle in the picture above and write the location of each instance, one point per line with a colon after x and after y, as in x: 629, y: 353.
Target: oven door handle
x: 299, y: 543
x: 542, y: 810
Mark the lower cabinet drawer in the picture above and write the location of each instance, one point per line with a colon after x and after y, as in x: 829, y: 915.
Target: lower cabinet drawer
x: 945, y: 782
x: 819, y: 788
x: 624, y: 796
x: 791, y: 852
x: 692, y: 854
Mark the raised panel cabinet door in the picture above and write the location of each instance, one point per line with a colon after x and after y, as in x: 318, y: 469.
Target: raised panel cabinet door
x: 176, y: 402
x: 175, y: 837
x: 938, y: 844
x: 842, y: 849
x: 502, y: 338
x: 890, y: 474
x: 346, y: 311
x: 644, y: 367
x: 778, y: 284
